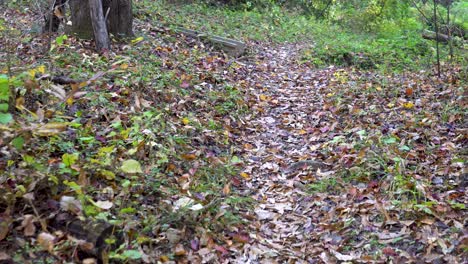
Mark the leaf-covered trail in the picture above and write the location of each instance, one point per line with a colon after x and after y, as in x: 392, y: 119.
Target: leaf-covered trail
x: 312, y: 125
x: 281, y: 153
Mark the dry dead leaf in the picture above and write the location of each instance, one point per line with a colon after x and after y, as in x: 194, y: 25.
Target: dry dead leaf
x: 46, y: 241
x: 29, y: 229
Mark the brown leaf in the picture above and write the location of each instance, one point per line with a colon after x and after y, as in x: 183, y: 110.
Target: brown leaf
x: 46, y: 241
x: 179, y: 250
x: 5, y: 222
x: 227, y: 189
x: 189, y: 156
x: 241, y: 238
x: 29, y: 229
x: 343, y: 257
x: 4, y: 256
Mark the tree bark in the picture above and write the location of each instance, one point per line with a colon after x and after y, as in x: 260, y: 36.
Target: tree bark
x: 119, y: 18
x: 117, y: 14
x: 101, y: 37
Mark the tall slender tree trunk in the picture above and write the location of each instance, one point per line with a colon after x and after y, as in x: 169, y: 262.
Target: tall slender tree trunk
x: 101, y: 37
x: 437, y: 41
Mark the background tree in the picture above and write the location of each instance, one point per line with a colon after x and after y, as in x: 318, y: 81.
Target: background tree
x: 93, y: 19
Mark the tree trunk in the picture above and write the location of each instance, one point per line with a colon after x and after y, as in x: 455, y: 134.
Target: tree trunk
x: 119, y: 18
x: 101, y: 37
x: 117, y: 14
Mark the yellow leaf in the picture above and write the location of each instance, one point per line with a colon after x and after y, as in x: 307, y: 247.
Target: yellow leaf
x: 245, y: 175
x: 263, y: 97
x: 41, y: 69
x: 70, y: 100
x: 124, y: 66
x: 50, y: 129
x: 20, y: 103
x: 185, y: 120
x: 32, y: 73
x: 135, y: 41
x: 408, y: 105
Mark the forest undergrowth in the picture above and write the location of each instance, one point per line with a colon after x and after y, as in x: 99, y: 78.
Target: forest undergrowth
x: 167, y: 150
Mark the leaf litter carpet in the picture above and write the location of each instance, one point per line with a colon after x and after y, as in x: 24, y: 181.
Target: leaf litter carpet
x: 287, y: 149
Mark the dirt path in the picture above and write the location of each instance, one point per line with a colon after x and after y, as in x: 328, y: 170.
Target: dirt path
x: 281, y: 152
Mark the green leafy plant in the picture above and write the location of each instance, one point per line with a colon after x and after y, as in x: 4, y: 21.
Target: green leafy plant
x: 5, y: 116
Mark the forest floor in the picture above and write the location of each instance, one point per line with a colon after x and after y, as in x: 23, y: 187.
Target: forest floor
x: 196, y: 157
x: 331, y: 170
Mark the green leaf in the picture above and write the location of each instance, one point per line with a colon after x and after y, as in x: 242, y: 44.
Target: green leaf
x: 235, y: 160
x: 389, y: 140
x: 5, y: 118
x: 59, y: 40
x: 132, y: 254
x: 131, y: 166
x: 109, y: 175
x: 69, y: 159
x: 4, y: 88
x: 3, y: 107
x: 405, y: 148
x: 18, y: 143
x: 128, y: 210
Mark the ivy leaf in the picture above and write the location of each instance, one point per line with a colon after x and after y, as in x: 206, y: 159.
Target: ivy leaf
x: 131, y: 166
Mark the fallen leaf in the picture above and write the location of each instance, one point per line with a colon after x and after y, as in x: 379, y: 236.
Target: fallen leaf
x: 227, y: 189
x: 105, y: 205
x: 5, y: 222
x: 245, y: 175
x: 71, y: 204
x: 29, y: 229
x: 50, y: 129
x: 131, y: 166
x: 264, y: 214
x: 408, y: 105
x: 189, y: 156
x: 46, y: 241
x: 179, y: 250
x: 4, y: 257
x: 343, y: 257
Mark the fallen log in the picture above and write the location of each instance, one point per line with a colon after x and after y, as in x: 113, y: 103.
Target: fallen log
x: 230, y: 46
x: 431, y: 35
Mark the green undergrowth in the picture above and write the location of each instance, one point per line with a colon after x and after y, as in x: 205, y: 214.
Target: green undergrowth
x: 143, y: 141
x: 391, y: 45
